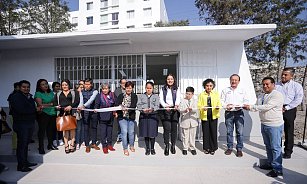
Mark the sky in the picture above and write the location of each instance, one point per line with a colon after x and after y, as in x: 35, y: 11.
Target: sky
x: 181, y: 10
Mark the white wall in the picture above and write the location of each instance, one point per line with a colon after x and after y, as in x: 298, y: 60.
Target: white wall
x: 32, y: 64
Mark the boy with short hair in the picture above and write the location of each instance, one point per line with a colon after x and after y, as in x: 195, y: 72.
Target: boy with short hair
x: 189, y: 121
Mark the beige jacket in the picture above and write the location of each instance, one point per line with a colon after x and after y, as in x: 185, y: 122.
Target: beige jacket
x: 188, y: 119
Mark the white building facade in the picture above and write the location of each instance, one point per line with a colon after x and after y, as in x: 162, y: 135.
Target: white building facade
x: 192, y: 54
x: 117, y: 14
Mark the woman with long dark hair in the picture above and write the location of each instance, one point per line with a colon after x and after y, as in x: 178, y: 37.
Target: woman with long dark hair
x: 65, y: 100
x: 46, y: 117
x: 170, y: 100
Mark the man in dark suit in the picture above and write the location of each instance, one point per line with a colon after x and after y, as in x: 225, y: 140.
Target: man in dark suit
x: 23, y: 110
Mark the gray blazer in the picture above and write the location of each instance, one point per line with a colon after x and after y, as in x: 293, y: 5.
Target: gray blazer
x: 143, y: 102
x: 188, y: 119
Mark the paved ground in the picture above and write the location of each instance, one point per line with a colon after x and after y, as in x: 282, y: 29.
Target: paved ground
x: 96, y: 167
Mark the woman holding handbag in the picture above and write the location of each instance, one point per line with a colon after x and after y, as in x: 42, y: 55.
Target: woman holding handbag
x: 65, y: 100
x: 104, y: 100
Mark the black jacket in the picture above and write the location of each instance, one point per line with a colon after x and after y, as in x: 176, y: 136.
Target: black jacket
x: 23, y: 108
x: 134, y: 101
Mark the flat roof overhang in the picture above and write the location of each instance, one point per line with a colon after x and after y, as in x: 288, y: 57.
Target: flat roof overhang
x: 137, y: 35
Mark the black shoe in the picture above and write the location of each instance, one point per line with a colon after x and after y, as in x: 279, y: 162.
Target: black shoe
x: 266, y: 167
x: 24, y: 169
x: 152, y: 151
x: 184, y: 152
x: 193, y: 152
x: 173, y: 149
x: 274, y: 174
x: 147, y: 152
x: 119, y: 140
x: 29, y: 164
x: 166, y: 150
x: 286, y: 156
x: 41, y: 151
x: 206, y: 151
x: 51, y: 147
x: 212, y: 152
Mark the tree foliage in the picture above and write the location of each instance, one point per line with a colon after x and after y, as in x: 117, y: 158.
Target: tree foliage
x: 33, y: 16
x: 9, y: 16
x: 287, y: 41
x: 46, y: 16
x: 172, y: 23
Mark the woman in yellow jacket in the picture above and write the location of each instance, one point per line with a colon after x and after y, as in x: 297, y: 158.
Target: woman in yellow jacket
x: 209, y: 107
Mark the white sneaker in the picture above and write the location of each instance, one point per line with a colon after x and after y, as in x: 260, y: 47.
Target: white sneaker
x: 61, y: 143
x: 55, y: 143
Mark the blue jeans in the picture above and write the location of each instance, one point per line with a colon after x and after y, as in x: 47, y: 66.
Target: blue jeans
x: 127, y: 127
x: 272, y: 140
x: 234, y: 118
x: 80, y: 132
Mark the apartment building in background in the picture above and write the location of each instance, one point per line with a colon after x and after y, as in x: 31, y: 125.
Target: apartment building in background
x: 117, y: 14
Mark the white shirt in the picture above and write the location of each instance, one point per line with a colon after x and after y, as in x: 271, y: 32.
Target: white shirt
x: 236, y: 97
x: 293, y: 93
x: 169, y: 98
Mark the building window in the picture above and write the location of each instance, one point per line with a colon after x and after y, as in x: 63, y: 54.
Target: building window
x: 114, y: 18
x: 89, y: 5
x: 89, y: 20
x: 147, y: 12
x: 103, y: 3
x: 130, y: 14
x: 147, y: 25
x: 115, y: 2
x: 129, y: 27
x: 74, y: 21
x: 103, y: 20
x: 102, y: 69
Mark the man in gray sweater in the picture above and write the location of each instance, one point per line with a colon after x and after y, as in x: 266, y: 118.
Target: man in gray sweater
x: 270, y: 106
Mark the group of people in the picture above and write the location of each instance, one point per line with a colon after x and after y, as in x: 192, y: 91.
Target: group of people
x: 276, y: 106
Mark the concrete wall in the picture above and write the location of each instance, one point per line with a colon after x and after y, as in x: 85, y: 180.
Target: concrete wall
x: 227, y: 57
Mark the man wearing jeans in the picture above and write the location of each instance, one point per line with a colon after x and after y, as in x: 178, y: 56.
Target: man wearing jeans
x: 233, y: 98
x: 270, y: 106
x: 293, y: 94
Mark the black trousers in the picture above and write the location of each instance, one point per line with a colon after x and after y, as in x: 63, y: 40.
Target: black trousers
x: 46, y: 124
x: 24, y: 131
x: 170, y: 125
x: 209, y: 128
x: 90, y: 123
x: 106, y: 128
x: 289, y: 117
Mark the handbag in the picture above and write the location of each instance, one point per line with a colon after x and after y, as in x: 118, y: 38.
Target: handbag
x: 5, y: 127
x: 66, y: 122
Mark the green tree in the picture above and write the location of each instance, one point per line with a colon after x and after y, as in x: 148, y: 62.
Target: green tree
x: 9, y: 17
x: 46, y: 16
x: 286, y: 42
x: 172, y: 23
